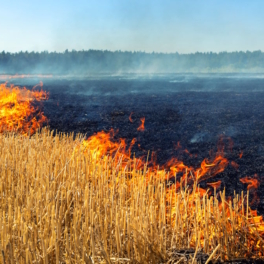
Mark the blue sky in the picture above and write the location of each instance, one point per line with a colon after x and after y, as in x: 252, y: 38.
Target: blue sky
x: 182, y: 26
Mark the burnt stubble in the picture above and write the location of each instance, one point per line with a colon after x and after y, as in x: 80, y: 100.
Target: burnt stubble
x: 197, y: 111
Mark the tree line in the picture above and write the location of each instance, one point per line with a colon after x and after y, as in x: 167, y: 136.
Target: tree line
x: 99, y: 61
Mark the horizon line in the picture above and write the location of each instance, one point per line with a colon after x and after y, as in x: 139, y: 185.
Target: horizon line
x: 127, y: 51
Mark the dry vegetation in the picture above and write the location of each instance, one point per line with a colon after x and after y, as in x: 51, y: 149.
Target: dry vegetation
x: 61, y: 201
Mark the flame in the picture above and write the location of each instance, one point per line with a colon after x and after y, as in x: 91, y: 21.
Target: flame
x: 130, y: 118
x: 40, y: 84
x: 142, y: 126
x: 209, y: 170
x: 253, y: 183
x: 247, y: 219
x: 216, y: 185
x: 103, y: 144
x: 18, y: 111
x: 133, y: 141
x: 241, y: 154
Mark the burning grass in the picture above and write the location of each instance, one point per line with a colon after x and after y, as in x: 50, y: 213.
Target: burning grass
x: 18, y: 111
x: 66, y: 199
x: 70, y: 200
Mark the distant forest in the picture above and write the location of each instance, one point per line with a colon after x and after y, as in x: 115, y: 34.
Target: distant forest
x: 105, y: 62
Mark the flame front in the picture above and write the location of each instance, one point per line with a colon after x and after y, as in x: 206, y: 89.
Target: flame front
x: 103, y: 164
x: 18, y: 111
x: 102, y: 144
x: 184, y: 196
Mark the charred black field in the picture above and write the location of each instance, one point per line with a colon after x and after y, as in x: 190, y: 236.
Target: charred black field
x: 186, y: 116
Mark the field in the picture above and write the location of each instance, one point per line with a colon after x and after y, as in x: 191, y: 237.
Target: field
x: 87, y: 198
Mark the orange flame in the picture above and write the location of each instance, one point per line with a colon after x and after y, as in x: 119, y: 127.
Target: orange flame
x: 216, y: 185
x: 130, y: 118
x: 253, y: 183
x: 17, y: 109
x: 142, y: 126
x: 209, y: 170
x: 17, y: 112
x: 102, y: 144
x: 241, y: 154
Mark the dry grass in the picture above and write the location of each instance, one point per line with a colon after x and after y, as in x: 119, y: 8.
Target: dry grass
x: 61, y: 203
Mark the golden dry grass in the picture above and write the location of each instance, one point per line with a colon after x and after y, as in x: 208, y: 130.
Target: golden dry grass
x: 60, y: 202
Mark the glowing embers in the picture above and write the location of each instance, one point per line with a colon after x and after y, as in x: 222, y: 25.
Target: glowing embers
x: 19, y: 111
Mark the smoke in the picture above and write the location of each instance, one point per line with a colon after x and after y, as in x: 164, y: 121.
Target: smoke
x: 94, y: 62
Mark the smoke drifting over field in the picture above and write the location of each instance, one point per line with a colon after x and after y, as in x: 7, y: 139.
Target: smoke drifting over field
x: 106, y: 62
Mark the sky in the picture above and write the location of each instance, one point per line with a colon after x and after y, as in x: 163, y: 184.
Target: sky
x: 184, y: 26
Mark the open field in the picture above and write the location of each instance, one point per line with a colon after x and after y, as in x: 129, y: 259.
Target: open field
x: 88, y: 198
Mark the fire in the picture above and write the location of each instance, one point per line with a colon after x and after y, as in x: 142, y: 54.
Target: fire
x: 207, y: 218
x: 55, y: 186
x: 102, y: 144
x: 209, y: 170
x: 18, y: 111
x: 241, y: 154
x: 253, y: 183
x: 142, y: 126
x: 130, y: 117
x: 216, y: 185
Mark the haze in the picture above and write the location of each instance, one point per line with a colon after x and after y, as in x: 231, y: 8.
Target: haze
x: 133, y: 25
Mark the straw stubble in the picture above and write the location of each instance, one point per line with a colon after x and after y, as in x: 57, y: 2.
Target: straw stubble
x: 61, y: 203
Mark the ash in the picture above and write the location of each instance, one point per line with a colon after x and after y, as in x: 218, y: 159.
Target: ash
x: 196, y: 111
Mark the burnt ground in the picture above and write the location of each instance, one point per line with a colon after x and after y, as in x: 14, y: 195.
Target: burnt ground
x: 194, y: 110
